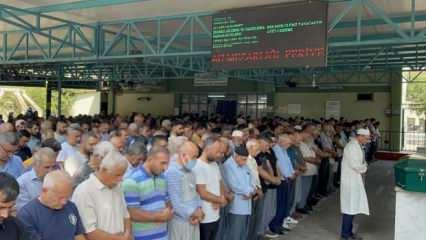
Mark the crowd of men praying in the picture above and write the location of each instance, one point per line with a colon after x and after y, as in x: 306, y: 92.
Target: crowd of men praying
x: 179, y: 178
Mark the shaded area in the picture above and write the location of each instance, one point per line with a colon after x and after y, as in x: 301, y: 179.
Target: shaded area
x: 324, y: 223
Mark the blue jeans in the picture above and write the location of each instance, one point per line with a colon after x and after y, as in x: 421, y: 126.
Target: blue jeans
x: 347, y: 225
x: 282, y: 207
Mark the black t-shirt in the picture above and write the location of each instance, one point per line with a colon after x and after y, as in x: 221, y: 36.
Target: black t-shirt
x: 262, y: 159
x: 24, y: 153
x: 12, y: 229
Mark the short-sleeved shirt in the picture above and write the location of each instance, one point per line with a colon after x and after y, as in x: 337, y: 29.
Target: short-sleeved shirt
x: 208, y: 174
x: 12, y: 229
x: 100, y: 207
x: 44, y: 223
x: 148, y: 193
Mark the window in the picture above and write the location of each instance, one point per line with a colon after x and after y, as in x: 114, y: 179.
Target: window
x: 254, y: 105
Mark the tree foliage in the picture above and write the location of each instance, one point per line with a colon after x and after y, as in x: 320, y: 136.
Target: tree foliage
x: 416, y: 92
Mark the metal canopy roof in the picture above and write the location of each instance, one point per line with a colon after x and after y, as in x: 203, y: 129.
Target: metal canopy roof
x: 159, y: 39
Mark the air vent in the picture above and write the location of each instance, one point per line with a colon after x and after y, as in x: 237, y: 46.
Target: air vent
x: 365, y: 97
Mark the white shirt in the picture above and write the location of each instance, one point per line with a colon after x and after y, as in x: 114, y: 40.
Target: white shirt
x: 208, y: 174
x: 75, y: 163
x: 308, y: 152
x: 100, y: 207
x: 252, y: 165
x: 66, y: 152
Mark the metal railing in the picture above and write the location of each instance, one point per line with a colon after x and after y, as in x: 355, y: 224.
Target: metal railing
x: 409, y: 141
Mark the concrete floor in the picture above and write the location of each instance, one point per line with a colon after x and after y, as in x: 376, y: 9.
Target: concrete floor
x: 324, y: 223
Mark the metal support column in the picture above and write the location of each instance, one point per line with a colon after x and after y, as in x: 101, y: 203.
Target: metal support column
x: 60, y: 79
x: 48, y: 100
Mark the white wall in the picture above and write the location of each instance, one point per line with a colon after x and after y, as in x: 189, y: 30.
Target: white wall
x: 160, y: 104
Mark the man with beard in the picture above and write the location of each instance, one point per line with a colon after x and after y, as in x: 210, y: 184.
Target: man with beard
x: 10, y: 227
x: 210, y: 187
x: 34, y: 129
x: 24, y: 152
x: 74, y: 163
x: 61, y: 130
x: 176, y: 132
x: 145, y: 191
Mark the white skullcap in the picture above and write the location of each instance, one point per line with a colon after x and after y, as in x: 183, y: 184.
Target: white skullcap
x: 363, y: 131
x: 237, y: 133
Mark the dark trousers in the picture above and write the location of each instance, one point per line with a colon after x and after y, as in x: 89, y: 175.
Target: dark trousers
x: 208, y: 231
x: 347, y: 225
x: 291, y: 196
x: 314, y: 187
x: 338, y: 173
x: 256, y: 219
x: 282, y: 210
x: 323, y: 176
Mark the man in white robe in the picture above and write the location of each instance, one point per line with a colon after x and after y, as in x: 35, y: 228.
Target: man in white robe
x: 353, y: 197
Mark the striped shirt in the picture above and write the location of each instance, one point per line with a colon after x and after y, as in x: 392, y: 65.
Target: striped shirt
x: 148, y: 193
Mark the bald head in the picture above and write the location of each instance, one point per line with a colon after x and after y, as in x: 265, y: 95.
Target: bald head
x: 57, y: 189
x: 187, y: 152
x: 189, y: 147
x: 57, y: 179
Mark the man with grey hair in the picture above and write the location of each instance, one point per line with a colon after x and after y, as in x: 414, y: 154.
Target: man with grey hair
x: 70, y: 147
x: 135, y: 155
x: 9, y: 162
x: 30, y: 183
x: 100, y: 201
x: 99, y: 152
x: 52, y: 216
x: 183, y: 195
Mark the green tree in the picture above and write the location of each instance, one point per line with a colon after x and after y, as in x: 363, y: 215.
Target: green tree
x: 416, y: 92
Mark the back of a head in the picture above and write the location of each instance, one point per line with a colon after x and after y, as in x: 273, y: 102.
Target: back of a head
x: 43, y: 154
x: 57, y: 178
x: 210, y: 141
x: 136, y: 148
x: 113, y: 160
x: 103, y: 148
x: 155, y: 150
x: 23, y: 133
x: 9, y: 187
x: 73, y: 129
x: 52, y: 144
x: 8, y: 138
x: 187, y: 147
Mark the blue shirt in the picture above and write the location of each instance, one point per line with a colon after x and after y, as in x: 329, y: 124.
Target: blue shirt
x: 240, y: 182
x: 13, y: 166
x: 181, y: 187
x: 44, y: 223
x: 291, y: 152
x: 283, y: 161
x: 29, y: 188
